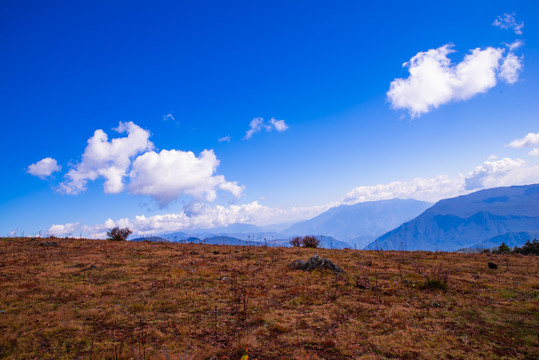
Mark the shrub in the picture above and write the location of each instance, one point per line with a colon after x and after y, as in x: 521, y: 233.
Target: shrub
x: 118, y: 234
x: 310, y: 242
x: 529, y: 248
x: 502, y: 249
x: 296, y: 242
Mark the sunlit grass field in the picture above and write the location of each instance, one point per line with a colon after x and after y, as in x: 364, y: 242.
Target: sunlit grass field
x: 93, y: 299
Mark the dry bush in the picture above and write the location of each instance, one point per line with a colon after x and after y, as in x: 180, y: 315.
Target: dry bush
x: 310, y: 242
x: 296, y: 242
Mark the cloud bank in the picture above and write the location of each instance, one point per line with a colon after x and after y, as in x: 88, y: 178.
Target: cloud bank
x: 434, y: 80
x: 503, y: 172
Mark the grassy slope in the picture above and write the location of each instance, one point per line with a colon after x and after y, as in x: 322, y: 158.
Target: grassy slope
x: 162, y: 301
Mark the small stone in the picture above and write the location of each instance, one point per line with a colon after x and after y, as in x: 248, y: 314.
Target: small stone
x: 492, y: 266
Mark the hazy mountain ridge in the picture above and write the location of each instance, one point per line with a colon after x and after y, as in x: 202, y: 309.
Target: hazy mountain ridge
x: 361, y: 223
x: 467, y: 220
x: 327, y: 242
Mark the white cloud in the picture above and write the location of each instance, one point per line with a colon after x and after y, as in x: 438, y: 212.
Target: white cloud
x: 510, y: 68
x: 434, y: 80
x: 167, y: 175
x: 534, y: 152
x: 224, y: 139
x: 203, y: 216
x: 507, y: 21
x: 503, y: 172
x: 107, y: 159
x: 529, y: 140
x: 427, y: 189
x: 44, y: 167
x: 259, y: 124
x: 279, y: 125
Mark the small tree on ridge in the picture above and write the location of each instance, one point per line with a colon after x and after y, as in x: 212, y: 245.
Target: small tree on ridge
x: 118, y: 234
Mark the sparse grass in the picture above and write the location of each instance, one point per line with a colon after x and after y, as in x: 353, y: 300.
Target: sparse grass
x: 184, y: 301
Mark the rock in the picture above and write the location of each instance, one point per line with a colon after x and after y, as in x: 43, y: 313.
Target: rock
x: 91, y: 267
x: 298, y: 264
x: 492, y: 266
x: 49, y: 243
x: 316, y: 262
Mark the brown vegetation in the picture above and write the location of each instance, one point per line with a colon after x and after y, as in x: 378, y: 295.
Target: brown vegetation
x: 90, y: 299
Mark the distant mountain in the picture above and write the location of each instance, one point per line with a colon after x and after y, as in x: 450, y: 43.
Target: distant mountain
x: 467, y: 220
x: 361, y: 223
x: 150, y: 238
x: 511, y: 239
x: 327, y: 242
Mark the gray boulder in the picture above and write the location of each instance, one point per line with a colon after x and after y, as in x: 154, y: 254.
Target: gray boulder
x: 316, y: 262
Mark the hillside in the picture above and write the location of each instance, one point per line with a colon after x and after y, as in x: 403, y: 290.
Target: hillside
x: 465, y: 221
x: 91, y: 299
x: 361, y: 223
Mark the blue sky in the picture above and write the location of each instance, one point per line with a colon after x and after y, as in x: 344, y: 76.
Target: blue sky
x: 315, y: 78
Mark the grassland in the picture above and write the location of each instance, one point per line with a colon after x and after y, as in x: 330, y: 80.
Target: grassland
x: 88, y: 299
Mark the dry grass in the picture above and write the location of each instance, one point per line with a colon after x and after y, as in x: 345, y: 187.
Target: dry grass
x: 186, y: 301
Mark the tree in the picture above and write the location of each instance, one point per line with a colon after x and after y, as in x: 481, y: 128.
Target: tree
x: 118, y: 234
x: 504, y: 249
x: 529, y: 248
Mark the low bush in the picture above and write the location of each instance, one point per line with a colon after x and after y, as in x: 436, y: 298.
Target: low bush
x: 306, y: 241
x: 118, y: 234
x: 296, y: 242
x: 310, y: 242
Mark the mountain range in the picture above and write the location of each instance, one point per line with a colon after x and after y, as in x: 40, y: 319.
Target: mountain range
x: 481, y: 218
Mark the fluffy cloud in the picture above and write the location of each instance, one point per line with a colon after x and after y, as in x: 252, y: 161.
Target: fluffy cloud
x: 507, y: 21
x: 529, y: 140
x: 167, y: 175
x: 503, y: 172
x: 258, y: 124
x: 279, y: 125
x: 534, y: 152
x: 44, y: 167
x: 434, y: 80
x: 107, y: 159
